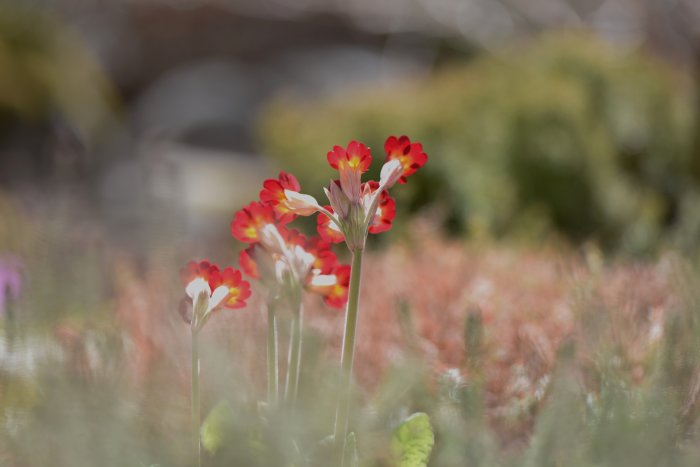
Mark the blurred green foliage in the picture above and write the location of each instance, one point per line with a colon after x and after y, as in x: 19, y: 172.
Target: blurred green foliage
x: 564, y: 135
x: 46, y: 69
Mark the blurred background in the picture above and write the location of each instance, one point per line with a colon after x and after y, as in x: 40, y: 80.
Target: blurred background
x: 564, y: 174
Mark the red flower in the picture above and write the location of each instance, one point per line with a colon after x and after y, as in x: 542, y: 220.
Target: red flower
x: 386, y: 209
x: 410, y: 155
x: 220, y: 288
x: 248, y: 264
x: 238, y: 289
x: 293, y: 237
x: 328, y: 230
x: 351, y: 163
x: 248, y: 223
x: 325, y: 260
x: 338, y: 293
x: 273, y: 194
x: 355, y: 157
x: 203, y: 269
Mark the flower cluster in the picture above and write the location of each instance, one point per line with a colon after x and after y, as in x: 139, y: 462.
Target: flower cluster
x: 208, y: 288
x: 356, y: 208
x: 288, y: 262
x: 284, y: 258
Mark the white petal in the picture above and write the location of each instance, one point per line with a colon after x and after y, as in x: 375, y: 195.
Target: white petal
x: 301, y: 204
x: 302, y: 261
x: 219, y: 295
x: 196, y: 287
x: 271, y: 239
x: 333, y: 226
x: 281, y: 269
x: 391, y: 172
x: 322, y: 283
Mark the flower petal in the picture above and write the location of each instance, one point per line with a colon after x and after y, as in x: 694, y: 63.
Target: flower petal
x: 301, y: 204
x: 219, y: 295
x: 273, y: 194
x: 327, y: 229
x: 196, y: 287
x: 410, y: 155
x: 248, y: 222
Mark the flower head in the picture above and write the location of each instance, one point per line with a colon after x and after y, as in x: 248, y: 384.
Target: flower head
x: 208, y: 288
x: 304, y: 262
x: 337, y: 295
x: 356, y: 208
x: 410, y: 155
x: 386, y: 209
x: 351, y: 163
x: 274, y: 194
x: 248, y: 223
x: 237, y: 288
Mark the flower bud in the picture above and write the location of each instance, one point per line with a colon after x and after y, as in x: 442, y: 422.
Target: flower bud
x: 390, y: 174
x: 339, y: 201
x: 301, y: 204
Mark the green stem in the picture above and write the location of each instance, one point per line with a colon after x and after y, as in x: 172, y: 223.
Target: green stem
x: 196, y: 420
x: 346, y: 359
x: 272, y: 360
x: 294, y: 362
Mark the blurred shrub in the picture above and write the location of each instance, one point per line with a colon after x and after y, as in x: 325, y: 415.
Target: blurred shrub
x: 47, y: 70
x: 563, y: 135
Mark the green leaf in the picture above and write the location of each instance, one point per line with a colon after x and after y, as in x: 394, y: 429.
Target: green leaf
x: 413, y: 441
x: 216, y: 426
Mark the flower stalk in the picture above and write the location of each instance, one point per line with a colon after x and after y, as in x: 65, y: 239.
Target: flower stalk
x: 272, y: 359
x: 294, y: 362
x: 196, y: 415
x: 348, y: 352
x: 208, y: 289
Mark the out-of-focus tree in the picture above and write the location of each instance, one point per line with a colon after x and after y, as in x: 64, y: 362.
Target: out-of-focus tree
x: 49, y: 82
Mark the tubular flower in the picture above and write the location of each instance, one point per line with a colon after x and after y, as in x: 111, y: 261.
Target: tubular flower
x: 207, y: 289
x: 410, y: 155
x: 274, y: 194
x: 351, y: 163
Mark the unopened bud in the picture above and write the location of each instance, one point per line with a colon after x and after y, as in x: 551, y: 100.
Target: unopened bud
x: 339, y: 201
x: 390, y: 174
x: 301, y: 204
